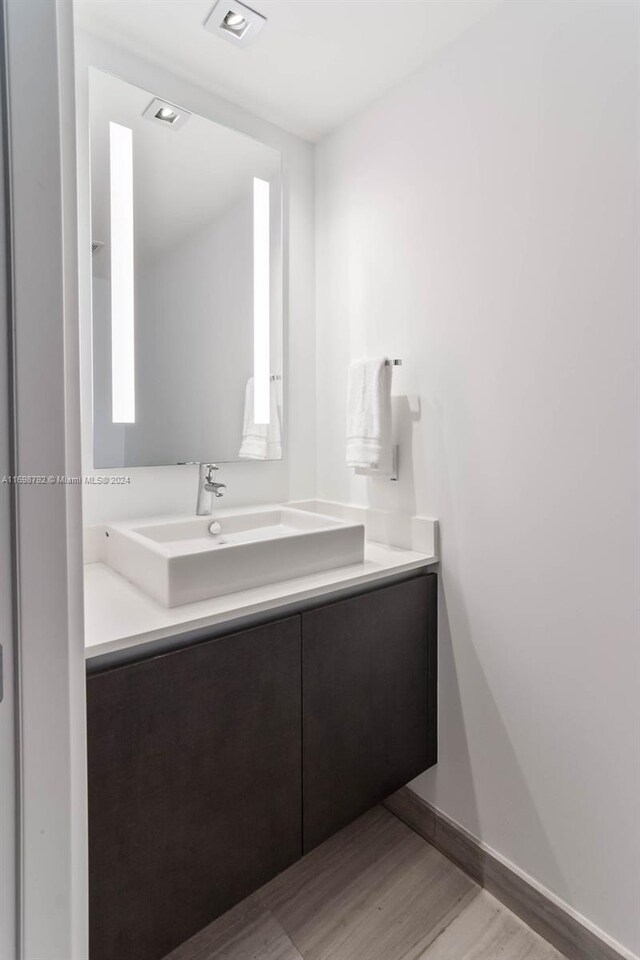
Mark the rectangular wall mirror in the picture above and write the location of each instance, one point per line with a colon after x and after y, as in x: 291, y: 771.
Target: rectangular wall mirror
x: 187, y: 285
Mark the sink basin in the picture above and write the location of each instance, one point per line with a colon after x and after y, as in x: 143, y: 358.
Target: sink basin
x: 179, y: 561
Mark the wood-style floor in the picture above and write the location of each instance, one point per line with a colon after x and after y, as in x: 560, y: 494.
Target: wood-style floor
x: 374, y: 891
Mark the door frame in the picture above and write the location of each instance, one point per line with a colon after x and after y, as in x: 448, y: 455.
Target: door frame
x: 41, y: 430
x: 8, y: 648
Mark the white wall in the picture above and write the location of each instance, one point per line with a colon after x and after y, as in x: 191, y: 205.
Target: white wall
x: 481, y: 222
x: 173, y: 489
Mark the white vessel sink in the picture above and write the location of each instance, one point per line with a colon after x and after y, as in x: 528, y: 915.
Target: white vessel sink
x: 178, y: 561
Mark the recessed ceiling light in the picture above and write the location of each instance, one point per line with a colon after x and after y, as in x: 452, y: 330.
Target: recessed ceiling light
x: 235, y: 22
x: 166, y: 114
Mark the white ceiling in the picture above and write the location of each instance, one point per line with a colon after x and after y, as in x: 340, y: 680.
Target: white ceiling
x: 315, y: 63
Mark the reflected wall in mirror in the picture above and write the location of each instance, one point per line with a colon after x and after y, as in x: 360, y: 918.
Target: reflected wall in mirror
x: 187, y: 285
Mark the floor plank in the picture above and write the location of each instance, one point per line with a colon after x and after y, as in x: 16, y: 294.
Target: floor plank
x: 247, y: 932
x: 375, y: 891
x: 487, y: 930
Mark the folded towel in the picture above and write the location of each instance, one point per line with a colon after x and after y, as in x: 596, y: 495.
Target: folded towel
x: 369, y: 413
x: 261, y: 441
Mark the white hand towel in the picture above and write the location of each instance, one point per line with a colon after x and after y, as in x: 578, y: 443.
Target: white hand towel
x: 369, y: 413
x: 261, y: 441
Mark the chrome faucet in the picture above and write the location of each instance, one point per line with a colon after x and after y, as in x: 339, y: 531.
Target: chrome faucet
x: 208, y: 489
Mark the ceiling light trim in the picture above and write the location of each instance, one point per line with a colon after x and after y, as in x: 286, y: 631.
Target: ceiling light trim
x: 234, y: 22
x: 166, y: 114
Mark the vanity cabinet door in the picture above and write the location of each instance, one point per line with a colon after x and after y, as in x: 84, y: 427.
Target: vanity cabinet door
x: 369, y: 701
x: 194, y: 786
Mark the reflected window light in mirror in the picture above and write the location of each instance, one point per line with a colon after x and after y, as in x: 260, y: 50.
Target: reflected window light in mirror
x: 261, y: 301
x: 122, y: 305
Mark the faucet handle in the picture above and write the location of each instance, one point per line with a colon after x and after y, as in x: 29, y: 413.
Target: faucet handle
x: 212, y: 468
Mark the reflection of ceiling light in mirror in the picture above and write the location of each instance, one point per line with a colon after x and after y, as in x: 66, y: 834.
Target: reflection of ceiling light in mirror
x: 234, y: 21
x: 166, y: 114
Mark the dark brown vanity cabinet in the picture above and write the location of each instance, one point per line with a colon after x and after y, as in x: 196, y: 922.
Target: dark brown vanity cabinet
x: 369, y: 710
x: 194, y: 786
x: 215, y: 766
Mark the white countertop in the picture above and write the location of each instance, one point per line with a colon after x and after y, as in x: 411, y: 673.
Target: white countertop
x: 119, y: 616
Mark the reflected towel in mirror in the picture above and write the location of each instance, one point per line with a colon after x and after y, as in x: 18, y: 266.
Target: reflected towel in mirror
x: 261, y: 441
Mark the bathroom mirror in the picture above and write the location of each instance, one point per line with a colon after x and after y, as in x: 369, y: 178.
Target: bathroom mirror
x: 186, y: 227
